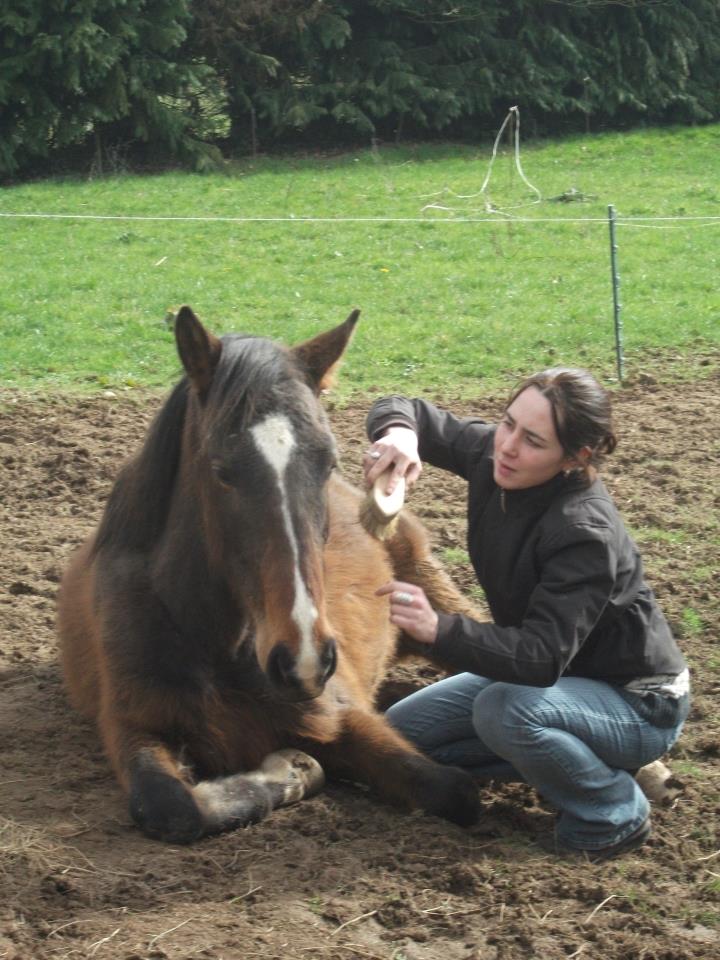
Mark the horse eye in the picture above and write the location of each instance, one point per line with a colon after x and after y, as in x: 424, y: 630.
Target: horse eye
x: 222, y: 474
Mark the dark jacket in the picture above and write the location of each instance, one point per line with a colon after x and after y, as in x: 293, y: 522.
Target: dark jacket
x: 562, y: 577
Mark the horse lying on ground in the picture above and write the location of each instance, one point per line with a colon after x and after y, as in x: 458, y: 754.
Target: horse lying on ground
x: 220, y: 625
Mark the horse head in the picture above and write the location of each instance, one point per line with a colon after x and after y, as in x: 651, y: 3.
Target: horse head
x: 261, y: 458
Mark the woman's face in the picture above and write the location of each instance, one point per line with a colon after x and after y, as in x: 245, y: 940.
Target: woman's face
x: 527, y: 450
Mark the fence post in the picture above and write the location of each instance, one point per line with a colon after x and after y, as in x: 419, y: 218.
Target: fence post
x: 616, y: 293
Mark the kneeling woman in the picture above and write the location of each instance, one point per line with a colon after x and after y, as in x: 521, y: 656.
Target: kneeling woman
x: 577, y: 682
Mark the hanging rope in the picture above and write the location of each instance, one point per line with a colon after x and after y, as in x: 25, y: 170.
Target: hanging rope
x: 513, y: 116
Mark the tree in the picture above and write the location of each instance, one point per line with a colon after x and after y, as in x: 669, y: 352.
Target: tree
x: 94, y: 72
x: 364, y: 68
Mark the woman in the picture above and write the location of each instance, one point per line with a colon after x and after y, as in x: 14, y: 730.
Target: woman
x: 578, y: 681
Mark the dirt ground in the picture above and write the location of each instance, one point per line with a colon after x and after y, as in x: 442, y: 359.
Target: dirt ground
x: 343, y: 876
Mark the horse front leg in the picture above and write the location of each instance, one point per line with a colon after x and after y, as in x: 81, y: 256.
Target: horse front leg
x: 284, y: 777
x: 369, y: 750
x: 167, y: 804
x: 413, y: 561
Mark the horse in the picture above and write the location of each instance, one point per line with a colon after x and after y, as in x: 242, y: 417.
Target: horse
x: 220, y: 626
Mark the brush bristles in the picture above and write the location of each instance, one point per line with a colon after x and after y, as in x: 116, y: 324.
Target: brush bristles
x: 378, y: 524
x: 379, y: 509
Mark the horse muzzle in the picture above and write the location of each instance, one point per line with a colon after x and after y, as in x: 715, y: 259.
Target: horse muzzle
x: 296, y: 681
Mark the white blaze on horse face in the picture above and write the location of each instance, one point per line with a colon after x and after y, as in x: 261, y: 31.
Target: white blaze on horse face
x: 275, y: 440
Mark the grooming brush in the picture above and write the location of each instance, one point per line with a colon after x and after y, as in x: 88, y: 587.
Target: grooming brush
x: 379, y: 510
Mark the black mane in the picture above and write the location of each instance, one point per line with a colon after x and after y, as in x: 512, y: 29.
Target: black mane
x: 137, y: 508
x: 251, y: 372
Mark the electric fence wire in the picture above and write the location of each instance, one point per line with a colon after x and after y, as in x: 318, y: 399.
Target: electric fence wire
x: 628, y: 221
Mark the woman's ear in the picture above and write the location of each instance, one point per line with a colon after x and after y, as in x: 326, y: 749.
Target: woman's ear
x: 580, y: 461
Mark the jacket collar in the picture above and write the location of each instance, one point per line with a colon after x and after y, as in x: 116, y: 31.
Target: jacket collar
x: 536, y: 499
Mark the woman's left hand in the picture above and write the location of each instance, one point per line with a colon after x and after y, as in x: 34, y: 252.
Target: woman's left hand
x: 410, y: 610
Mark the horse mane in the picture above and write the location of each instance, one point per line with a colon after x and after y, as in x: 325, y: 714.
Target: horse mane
x: 249, y: 370
x: 138, y: 504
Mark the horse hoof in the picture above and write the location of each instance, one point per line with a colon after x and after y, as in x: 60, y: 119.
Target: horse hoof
x: 453, y: 796
x: 465, y: 807
x: 299, y: 774
x: 163, y: 808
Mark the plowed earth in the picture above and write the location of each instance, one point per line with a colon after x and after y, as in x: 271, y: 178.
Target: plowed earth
x: 342, y: 875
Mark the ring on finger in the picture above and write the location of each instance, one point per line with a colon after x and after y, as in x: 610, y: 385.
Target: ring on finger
x: 374, y: 454
x: 402, y: 597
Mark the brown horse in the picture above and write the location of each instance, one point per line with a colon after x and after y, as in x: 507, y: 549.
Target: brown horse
x: 221, y: 627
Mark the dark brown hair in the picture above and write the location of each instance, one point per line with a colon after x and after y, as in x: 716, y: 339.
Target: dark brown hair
x: 581, y: 412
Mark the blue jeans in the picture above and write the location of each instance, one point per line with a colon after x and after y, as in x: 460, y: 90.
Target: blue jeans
x: 574, y: 742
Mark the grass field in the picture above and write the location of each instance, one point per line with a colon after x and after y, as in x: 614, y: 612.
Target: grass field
x: 447, y: 304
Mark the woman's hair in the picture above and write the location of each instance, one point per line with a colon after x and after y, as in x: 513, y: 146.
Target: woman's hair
x: 581, y: 412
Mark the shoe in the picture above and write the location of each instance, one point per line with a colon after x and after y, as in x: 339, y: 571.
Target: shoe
x: 597, y: 855
x: 658, y: 783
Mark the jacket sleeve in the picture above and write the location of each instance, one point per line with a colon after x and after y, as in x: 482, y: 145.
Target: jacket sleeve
x: 576, y: 582
x: 444, y: 440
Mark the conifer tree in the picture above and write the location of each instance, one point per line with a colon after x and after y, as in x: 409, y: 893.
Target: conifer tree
x: 367, y: 68
x: 93, y: 72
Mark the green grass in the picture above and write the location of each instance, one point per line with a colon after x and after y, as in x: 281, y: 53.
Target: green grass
x: 713, y: 886
x: 687, y: 768
x: 703, y: 573
x: 451, y: 306
x: 455, y: 556
x: 658, y: 535
x: 691, y: 622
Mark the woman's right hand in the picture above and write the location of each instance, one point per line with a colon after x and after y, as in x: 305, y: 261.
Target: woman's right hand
x: 397, y: 448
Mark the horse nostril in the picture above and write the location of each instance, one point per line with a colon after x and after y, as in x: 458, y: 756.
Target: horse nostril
x: 282, y: 673
x: 328, y: 659
x: 280, y: 666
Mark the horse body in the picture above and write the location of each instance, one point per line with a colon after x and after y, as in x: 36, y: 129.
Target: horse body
x: 221, y: 627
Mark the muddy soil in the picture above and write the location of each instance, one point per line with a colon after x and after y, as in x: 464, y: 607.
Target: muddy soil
x: 342, y: 876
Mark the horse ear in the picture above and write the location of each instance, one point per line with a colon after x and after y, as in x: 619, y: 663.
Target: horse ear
x: 321, y: 356
x: 199, y: 350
